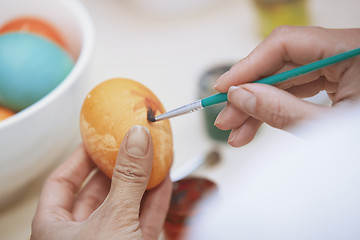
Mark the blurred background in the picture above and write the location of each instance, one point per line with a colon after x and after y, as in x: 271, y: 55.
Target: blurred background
x: 178, y: 48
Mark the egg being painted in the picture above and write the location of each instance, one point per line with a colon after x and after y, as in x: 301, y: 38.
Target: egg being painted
x: 30, y: 67
x: 110, y: 110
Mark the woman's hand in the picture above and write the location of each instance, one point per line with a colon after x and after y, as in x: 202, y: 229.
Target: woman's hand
x: 251, y: 104
x: 100, y: 209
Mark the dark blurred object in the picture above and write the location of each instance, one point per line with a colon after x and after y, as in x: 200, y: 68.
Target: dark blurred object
x: 273, y: 13
x: 184, y: 205
x: 213, y: 158
x: 206, y: 89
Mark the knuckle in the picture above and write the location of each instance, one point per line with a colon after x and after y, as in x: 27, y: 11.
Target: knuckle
x: 245, y: 60
x: 286, y: 33
x: 318, y: 28
x: 281, y: 30
x: 277, y: 117
x: 130, y: 172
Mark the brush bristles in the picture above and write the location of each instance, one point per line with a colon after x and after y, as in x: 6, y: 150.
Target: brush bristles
x: 151, y: 115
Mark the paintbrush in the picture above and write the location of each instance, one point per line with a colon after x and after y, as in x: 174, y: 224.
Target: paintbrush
x: 274, y: 79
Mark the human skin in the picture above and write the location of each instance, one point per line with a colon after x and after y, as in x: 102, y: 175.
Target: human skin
x: 104, y: 209
x: 281, y: 106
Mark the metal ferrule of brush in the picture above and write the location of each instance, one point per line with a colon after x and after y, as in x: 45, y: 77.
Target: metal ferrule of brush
x: 192, y: 107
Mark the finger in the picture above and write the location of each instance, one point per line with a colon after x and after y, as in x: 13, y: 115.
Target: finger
x: 131, y: 174
x: 348, y: 88
x: 285, y: 44
x: 230, y: 117
x: 306, y: 90
x: 296, y: 81
x: 245, y: 133
x: 274, y: 106
x: 91, y: 196
x: 154, y: 208
x: 60, y: 188
x: 312, y: 88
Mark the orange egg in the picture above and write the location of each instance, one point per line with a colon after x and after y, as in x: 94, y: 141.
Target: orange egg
x: 5, y: 113
x: 110, y: 110
x: 35, y: 26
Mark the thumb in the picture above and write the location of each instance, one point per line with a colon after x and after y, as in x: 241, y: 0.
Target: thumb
x: 272, y: 105
x: 131, y: 172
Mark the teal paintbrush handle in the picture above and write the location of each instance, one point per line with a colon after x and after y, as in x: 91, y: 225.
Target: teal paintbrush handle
x: 214, y: 99
x: 222, y: 97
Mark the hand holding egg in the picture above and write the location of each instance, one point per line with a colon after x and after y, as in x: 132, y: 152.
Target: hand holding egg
x: 110, y: 110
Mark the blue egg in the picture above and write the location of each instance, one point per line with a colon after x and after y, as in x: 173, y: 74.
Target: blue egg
x: 30, y: 67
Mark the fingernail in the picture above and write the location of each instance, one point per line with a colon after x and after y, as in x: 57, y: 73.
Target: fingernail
x: 245, y: 98
x: 233, y: 88
x: 220, y: 79
x: 231, y: 136
x: 218, y: 119
x: 137, y: 143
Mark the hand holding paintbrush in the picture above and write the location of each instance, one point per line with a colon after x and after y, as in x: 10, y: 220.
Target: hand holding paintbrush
x: 318, y: 59
x: 274, y: 79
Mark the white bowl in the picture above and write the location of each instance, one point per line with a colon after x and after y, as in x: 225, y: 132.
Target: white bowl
x: 35, y: 138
